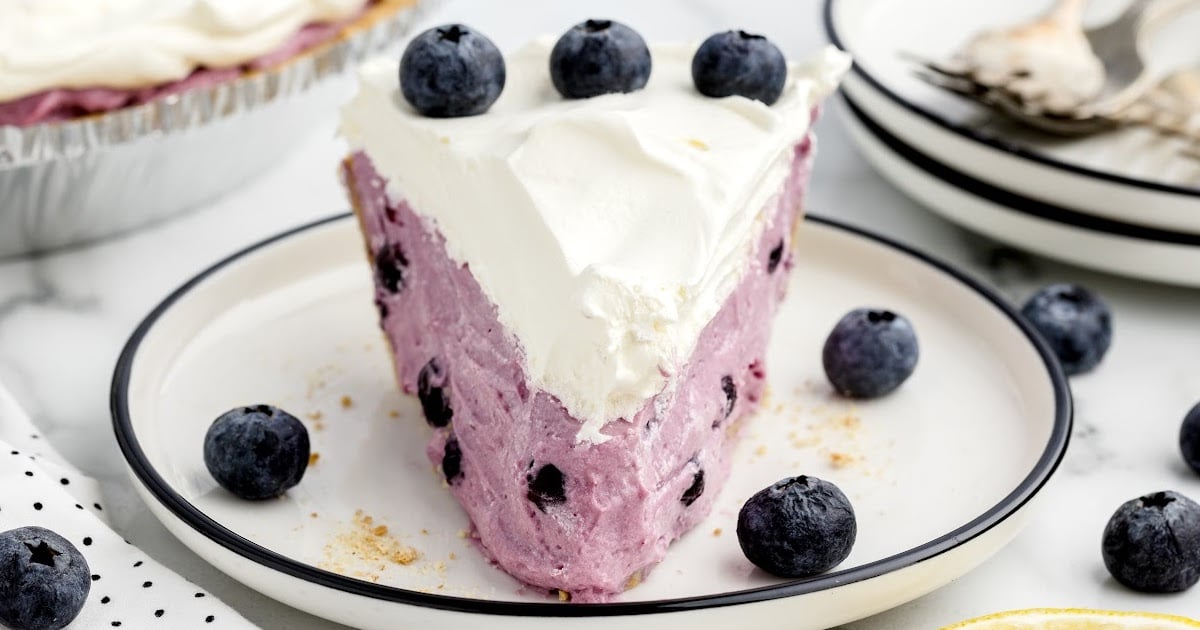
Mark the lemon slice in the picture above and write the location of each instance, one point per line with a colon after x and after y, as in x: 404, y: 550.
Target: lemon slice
x: 1075, y: 619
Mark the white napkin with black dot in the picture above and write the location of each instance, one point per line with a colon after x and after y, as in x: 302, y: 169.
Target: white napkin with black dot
x: 129, y: 590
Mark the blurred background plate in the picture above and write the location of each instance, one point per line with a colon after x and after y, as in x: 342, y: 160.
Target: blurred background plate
x: 1128, y: 177
x: 1053, y: 231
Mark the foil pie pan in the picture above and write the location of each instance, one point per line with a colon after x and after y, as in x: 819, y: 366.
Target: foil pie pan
x: 68, y: 183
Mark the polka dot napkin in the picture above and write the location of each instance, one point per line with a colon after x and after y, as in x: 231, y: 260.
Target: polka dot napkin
x: 129, y: 590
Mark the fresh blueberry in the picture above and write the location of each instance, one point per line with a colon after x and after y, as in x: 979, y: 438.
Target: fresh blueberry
x: 730, y: 389
x: 869, y: 353
x: 1152, y: 543
x: 695, y: 490
x: 452, y: 460
x: 1075, y: 322
x: 737, y: 63
x: 44, y: 580
x: 547, y: 487
x: 390, y: 265
x: 1189, y: 438
x: 256, y: 452
x: 799, y: 527
x: 775, y: 257
x: 451, y: 71
x: 431, y: 391
x: 599, y: 57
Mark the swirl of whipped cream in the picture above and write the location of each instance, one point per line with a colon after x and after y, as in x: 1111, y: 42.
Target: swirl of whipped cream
x: 48, y: 44
x: 608, y: 231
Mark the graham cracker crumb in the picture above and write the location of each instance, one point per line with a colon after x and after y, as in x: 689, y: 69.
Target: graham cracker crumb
x: 564, y: 596
x: 634, y: 580
x: 313, y: 515
x: 347, y: 402
x: 312, y: 459
x: 717, y: 531
x: 364, y: 550
x: 424, y: 532
x: 761, y: 450
x: 393, y: 414
x: 444, y: 140
x: 453, y: 556
x: 841, y: 460
x: 698, y: 144
x: 849, y: 421
x: 316, y: 415
x: 462, y: 533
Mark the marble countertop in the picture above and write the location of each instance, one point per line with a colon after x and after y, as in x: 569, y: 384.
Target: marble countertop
x: 64, y: 318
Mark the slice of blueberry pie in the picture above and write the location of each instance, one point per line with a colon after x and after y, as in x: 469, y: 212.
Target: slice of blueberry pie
x: 578, y: 250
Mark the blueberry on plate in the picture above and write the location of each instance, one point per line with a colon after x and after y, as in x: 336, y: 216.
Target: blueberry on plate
x: 1152, y: 543
x: 44, y: 580
x: 599, y: 57
x: 798, y: 527
x: 1189, y: 438
x: 256, y: 452
x: 451, y: 71
x: 737, y: 63
x: 869, y: 353
x: 1075, y: 322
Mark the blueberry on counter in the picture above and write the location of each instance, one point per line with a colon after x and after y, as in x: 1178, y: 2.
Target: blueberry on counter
x: 257, y: 452
x: 1189, y: 438
x: 798, y: 527
x: 44, y: 580
x: 599, y: 57
x: 1152, y: 543
x: 737, y: 63
x: 1075, y: 322
x: 869, y: 353
x: 451, y: 71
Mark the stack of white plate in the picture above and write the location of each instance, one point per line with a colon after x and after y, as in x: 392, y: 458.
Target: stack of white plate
x: 1126, y: 202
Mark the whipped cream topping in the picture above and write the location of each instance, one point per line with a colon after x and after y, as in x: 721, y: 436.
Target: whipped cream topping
x: 47, y: 44
x: 607, y: 231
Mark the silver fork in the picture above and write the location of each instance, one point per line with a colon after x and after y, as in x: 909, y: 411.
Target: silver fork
x: 1117, y: 45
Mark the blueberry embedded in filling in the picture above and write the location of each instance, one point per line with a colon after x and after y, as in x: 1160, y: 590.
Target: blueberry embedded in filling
x: 695, y: 490
x: 775, y: 257
x: 730, y: 389
x: 452, y: 460
x: 390, y: 265
x: 432, y: 381
x: 547, y: 487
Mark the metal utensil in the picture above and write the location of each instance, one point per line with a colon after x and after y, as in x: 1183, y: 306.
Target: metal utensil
x: 1028, y: 98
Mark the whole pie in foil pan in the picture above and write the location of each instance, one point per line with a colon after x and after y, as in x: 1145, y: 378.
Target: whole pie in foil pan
x: 65, y: 182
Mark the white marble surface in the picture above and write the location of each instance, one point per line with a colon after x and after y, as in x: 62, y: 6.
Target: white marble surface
x: 64, y: 318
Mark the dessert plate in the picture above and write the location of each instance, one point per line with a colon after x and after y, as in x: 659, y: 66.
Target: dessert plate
x: 942, y: 474
x: 1082, y: 239
x: 1130, y: 177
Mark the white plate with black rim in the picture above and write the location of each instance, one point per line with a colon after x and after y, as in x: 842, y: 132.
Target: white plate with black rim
x: 942, y: 473
x: 1126, y: 178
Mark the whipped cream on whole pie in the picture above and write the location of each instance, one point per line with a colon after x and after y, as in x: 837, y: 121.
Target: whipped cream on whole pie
x: 606, y: 280
x: 49, y: 44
